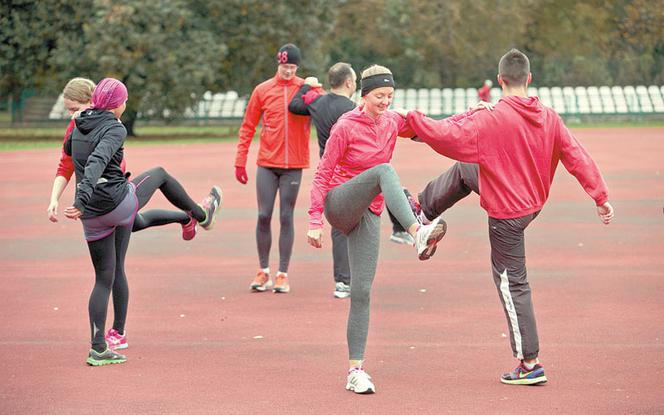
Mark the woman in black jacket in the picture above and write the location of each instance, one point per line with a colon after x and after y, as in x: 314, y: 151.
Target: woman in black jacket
x: 107, y: 204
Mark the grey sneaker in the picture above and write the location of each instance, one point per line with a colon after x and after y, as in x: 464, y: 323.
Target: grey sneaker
x: 428, y: 236
x: 211, y: 205
x: 341, y: 290
x: 107, y: 357
x: 402, y: 237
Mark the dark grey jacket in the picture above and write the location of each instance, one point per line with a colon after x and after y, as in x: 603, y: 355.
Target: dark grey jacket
x: 96, y: 148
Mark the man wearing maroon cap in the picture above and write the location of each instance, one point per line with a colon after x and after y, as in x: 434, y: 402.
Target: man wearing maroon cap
x: 283, y: 153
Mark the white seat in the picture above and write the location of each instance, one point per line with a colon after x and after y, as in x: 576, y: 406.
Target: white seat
x: 644, y: 98
x: 656, y: 98
x: 532, y: 91
x: 411, y: 98
x: 570, y: 100
x: 631, y: 99
x: 448, y: 101
x: 436, y: 102
x: 422, y: 100
x: 595, y: 101
x: 545, y: 96
x: 459, y: 103
x: 58, y: 110
x: 607, y: 100
x: 619, y: 100
x: 582, y: 100
x: 399, y: 100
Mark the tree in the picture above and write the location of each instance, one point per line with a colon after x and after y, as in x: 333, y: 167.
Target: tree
x: 162, y: 50
x: 253, y: 31
x: 27, y: 41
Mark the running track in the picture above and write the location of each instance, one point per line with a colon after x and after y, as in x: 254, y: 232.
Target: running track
x: 436, y: 342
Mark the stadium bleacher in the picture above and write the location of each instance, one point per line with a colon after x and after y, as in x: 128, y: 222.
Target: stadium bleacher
x: 437, y: 102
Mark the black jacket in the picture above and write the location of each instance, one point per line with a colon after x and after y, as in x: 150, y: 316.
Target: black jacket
x: 324, y: 110
x: 95, y: 147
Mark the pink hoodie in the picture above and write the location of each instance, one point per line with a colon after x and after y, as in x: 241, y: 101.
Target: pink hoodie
x: 357, y: 143
x: 517, y: 146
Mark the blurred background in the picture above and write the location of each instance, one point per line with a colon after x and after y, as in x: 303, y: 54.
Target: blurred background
x: 195, y: 62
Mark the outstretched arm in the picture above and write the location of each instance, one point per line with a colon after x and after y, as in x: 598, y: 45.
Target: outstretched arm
x: 252, y: 116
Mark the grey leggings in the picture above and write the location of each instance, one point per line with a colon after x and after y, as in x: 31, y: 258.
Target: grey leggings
x: 268, y: 182
x: 347, y: 209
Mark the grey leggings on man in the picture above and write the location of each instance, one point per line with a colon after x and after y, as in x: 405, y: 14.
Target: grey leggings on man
x: 508, y: 253
x: 268, y: 182
x: 347, y: 209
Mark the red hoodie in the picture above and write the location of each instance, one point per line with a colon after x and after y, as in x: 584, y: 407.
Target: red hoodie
x: 357, y: 143
x: 517, y: 146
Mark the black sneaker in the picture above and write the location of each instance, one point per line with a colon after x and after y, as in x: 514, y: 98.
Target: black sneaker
x: 524, y: 376
x: 107, y: 357
x: 211, y: 205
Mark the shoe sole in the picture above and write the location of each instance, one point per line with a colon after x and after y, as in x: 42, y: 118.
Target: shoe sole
x: 261, y: 288
x: 281, y: 290
x: 368, y: 391
x: 119, y: 347
x: 216, y: 211
x: 534, y: 381
x: 341, y: 294
x: 93, y: 362
x: 438, y: 233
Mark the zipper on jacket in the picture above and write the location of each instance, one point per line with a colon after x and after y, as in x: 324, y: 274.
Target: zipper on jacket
x: 286, y: 122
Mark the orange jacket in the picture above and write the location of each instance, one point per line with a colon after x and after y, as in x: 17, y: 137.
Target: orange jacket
x: 284, y: 137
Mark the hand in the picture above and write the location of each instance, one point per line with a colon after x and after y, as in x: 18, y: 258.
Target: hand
x: 312, y: 81
x: 605, y: 213
x: 53, y: 211
x: 401, y: 111
x: 73, y: 213
x: 241, y: 174
x: 482, y: 105
x: 314, y: 238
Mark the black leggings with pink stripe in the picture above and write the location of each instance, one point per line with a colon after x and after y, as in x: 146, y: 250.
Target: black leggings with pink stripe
x: 108, y: 254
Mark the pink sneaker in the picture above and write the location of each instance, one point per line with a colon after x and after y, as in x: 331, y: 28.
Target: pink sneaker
x: 116, y: 340
x: 189, y: 229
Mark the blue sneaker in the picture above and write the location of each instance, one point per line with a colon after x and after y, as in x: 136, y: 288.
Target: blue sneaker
x: 524, y: 376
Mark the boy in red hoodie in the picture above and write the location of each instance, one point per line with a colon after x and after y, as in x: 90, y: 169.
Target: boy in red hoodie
x: 511, y: 154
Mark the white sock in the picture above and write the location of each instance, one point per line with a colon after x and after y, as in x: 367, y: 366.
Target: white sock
x: 285, y: 273
x: 266, y: 270
x: 530, y: 366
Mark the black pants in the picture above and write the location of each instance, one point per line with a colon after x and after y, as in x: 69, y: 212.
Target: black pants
x: 158, y: 178
x: 108, y: 254
x: 508, y: 257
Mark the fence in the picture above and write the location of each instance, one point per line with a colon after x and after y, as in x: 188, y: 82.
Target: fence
x: 436, y: 102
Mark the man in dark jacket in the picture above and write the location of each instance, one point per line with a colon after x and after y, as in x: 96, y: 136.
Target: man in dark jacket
x: 325, y: 110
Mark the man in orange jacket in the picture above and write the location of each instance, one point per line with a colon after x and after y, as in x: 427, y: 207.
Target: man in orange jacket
x: 283, y: 153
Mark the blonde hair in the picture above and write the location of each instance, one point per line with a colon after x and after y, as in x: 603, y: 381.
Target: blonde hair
x: 375, y: 70
x: 79, y: 90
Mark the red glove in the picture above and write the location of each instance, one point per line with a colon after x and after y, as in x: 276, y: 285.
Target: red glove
x: 241, y: 174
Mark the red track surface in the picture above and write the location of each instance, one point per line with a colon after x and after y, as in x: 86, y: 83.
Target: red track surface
x: 436, y: 342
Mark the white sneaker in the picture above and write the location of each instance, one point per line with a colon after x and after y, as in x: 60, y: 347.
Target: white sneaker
x: 341, y: 290
x: 359, y: 381
x: 402, y: 237
x: 428, y: 236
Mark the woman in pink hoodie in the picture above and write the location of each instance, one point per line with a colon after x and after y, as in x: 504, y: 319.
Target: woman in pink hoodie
x: 353, y: 182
